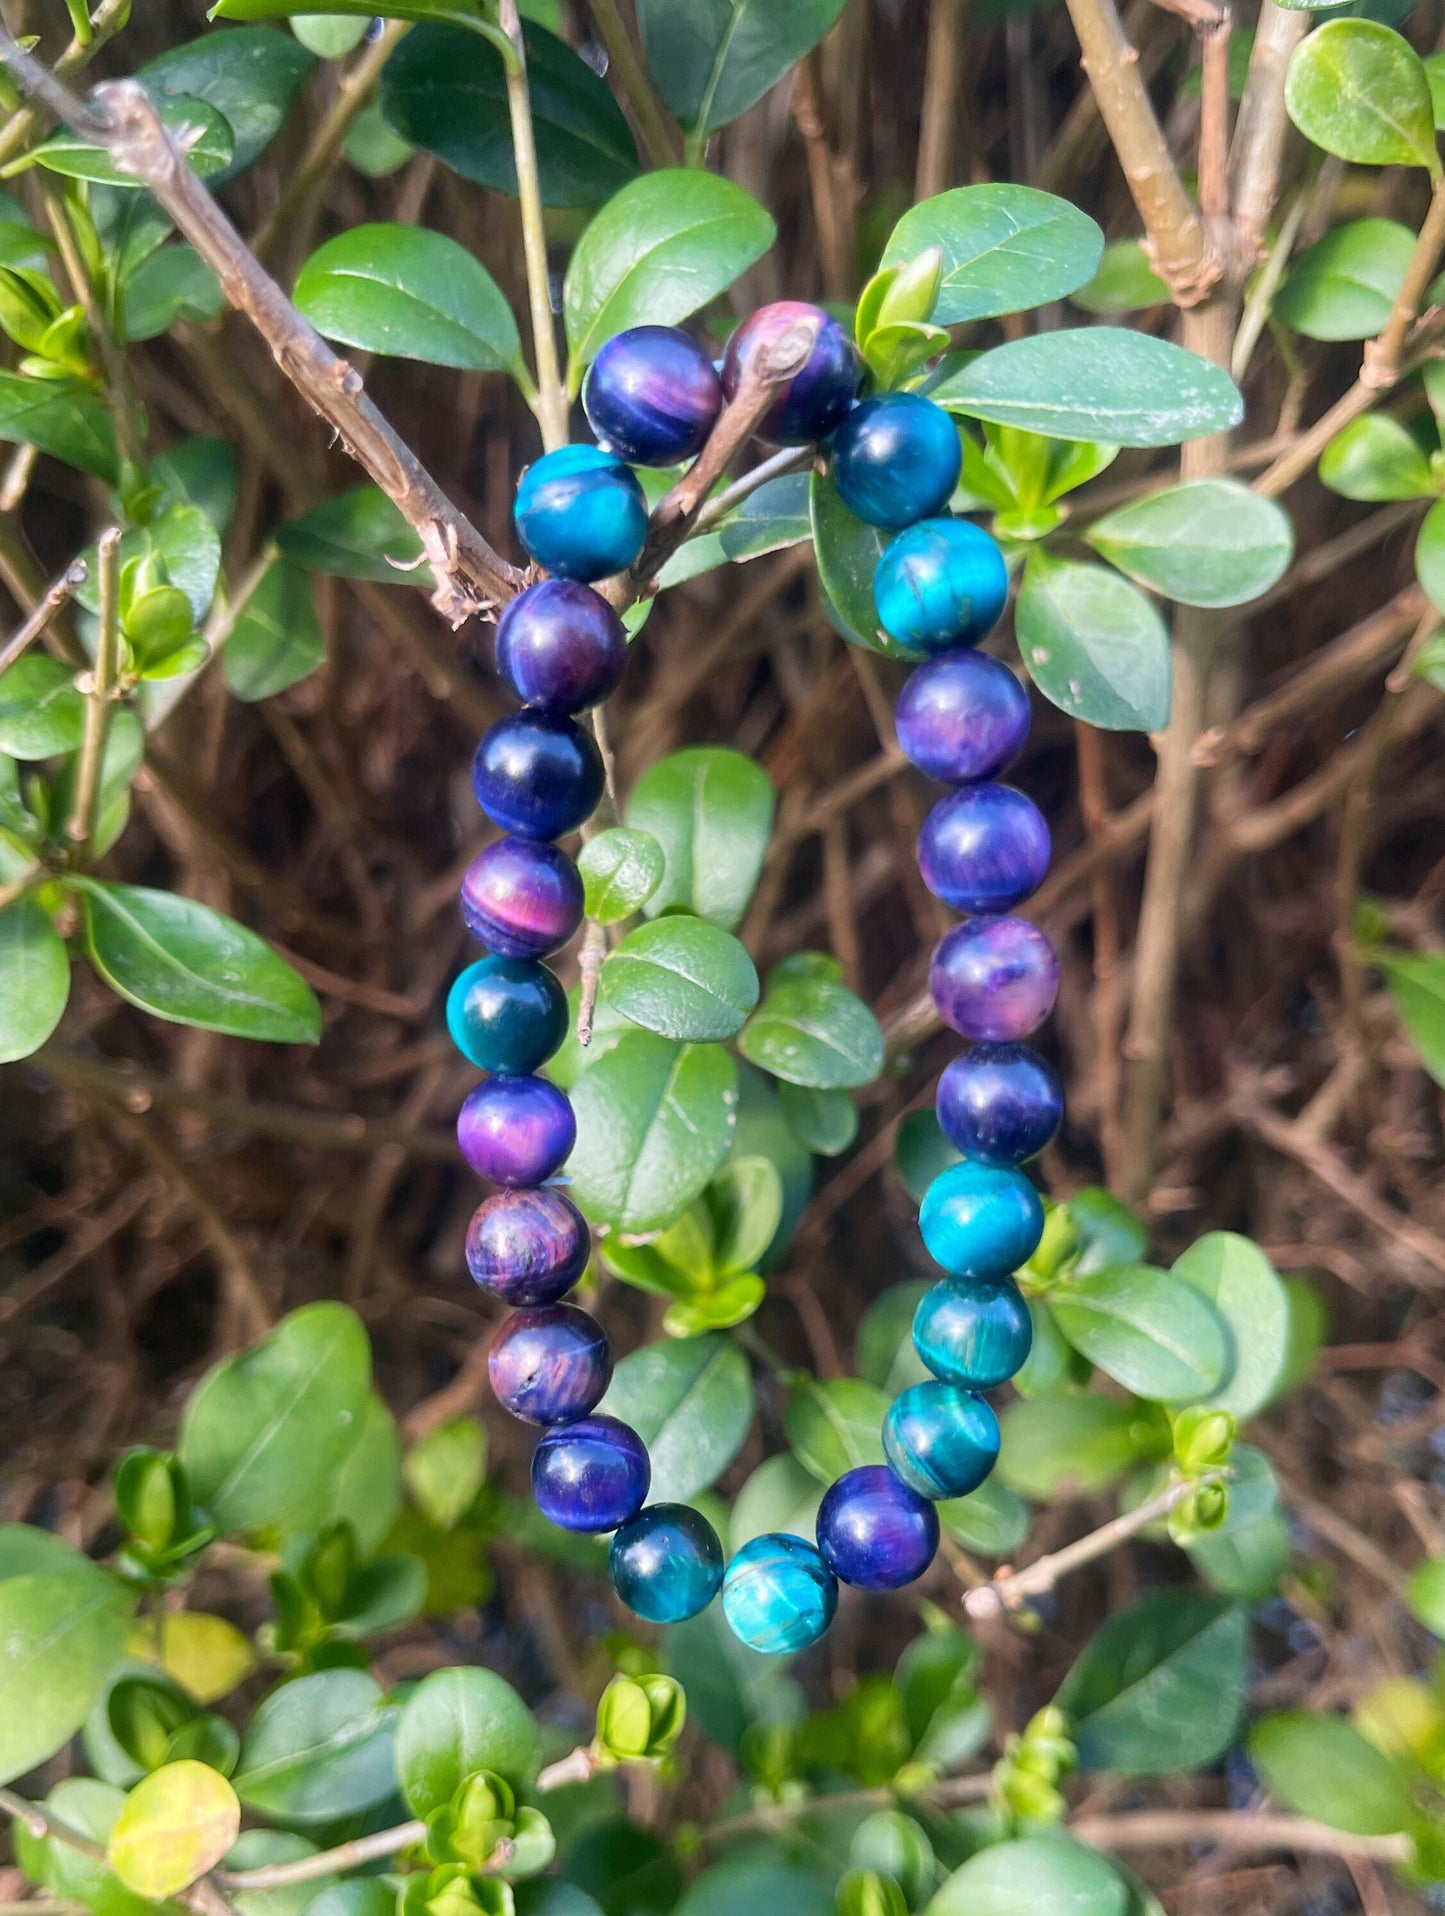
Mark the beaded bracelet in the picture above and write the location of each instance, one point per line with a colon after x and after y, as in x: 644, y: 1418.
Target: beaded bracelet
x: 653, y: 397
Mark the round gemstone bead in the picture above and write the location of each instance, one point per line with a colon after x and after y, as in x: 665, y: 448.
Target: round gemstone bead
x: 581, y: 513
x: 667, y: 1564
x: 973, y: 1331
x: 896, y: 459
x: 522, y: 899
x: 1000, y: 1103
x: 779, y: 1594
x: 962, y: 716
x: 507, y: 1015
x: 874, y: 1531
x: 940, y: 1440
x: 537, y: 774
x: 818, y: 396
x: 653, y: 395
x: 591, y: 1476
x: 981, y: 1220
x: 516, y: 1131
x: 984, y: 848
x: 941, y: 583
x: 527, y: 1247
x: 994, y: 977
x: 550, y: 1365
x: 560, y: 646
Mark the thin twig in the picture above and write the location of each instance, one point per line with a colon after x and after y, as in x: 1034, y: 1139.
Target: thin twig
x: 790, y: 459
x: 99, y: 694
x: 660, y: 133
x: 57, y: 595
x: 326, y: 1862
x: 1233, y: 1830
x: 1381, y: 365
x: 551, y: 406
x: 1260, y: 127
x: 939, y: 114
x: 22, y: 127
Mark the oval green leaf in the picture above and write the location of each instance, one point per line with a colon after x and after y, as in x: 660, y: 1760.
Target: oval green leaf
x: 250, y: 77
x: 1005, y: 249
x: 277, y: 641
x: 1343, y: 286
x: 834, y: 1423
x: 690, y: 1399
x: 358, y: 535
x: 711, y: 811
x: 1211, y: 543
x: 621, y: 869
x: 1080, y: 1443
x: 1359, y: 90
x: 779, y: 1495
x: 62, y: 1630
x: 1376, y: 459
x: 1241, y: 1283
x: 41, y: 713
x: 815, y: 1032
x: 1323, y: 1768
x: 1032, y: 1875
x: 34, y: 979
x: 69, y: 421
x: 683, y: 977
x: 1430, y: 554
x: 1148, y: 1330
x: 1093, y: 645
x: 713, y: 62
x: 457, y: 1722
x: 847, y: 552
x: 319, y: 1748
x: 177, y: 1823
x: 199, y: 130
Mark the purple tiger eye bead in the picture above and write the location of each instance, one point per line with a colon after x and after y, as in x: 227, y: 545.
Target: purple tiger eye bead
x: 521, y: 898
x: 652, y: 395
x: 1001, y: 1103
x: 984, y: 848
x: 994, y: 978
x: 962, y: 716
x: 527, y: 1247
x: 561, y: 646
x: 874, y: 1532
x: 817, y: 397
x: 591, y: 1476
x: 516, y: 1131
x: 550, y: 1366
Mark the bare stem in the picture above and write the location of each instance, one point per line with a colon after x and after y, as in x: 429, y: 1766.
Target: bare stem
x: 107, y: 20
x: 790, y: 459
x: 100, y: 695
x: 1382, y: 357
x: 57, y: 595
x: 1259, y: 129
x: 326, y: 1862
x: 1235, y: 1830
x: 660, y: 134
x: 551, y: 397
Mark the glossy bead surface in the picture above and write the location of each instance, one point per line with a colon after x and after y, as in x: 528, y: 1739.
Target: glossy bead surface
x: 1000, y: 1103
x: 984, y: 848
x: 667, y: 1564
x: 652, y: 395
x: 962, y: 716
x: 516, y: 1131
x: 522, y: 899
x: 940, y: 1440
x: 941, y: 583
x: 874, y: 1532
x: 527, y: 1247
x: 537, y: 774
x: 591, y: 1476
x: 896, y: 459
x: 550, y: 1365
x: 973, y: 1331
x: 560, y: 646
x: 994, y: 978
x: 981, y: 1220
x: 779, y: 1594
x: 818, y: 396
x: 507, y: 1015
x: 580, y: 513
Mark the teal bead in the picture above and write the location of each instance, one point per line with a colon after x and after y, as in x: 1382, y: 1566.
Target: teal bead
x: 981, y: 1220
x: 940, y: 584
x: 779, y: 1594
x: 973, y: 1331
x: 667, y: 1564
x: 507, y: 1015
x: 940, y: 1440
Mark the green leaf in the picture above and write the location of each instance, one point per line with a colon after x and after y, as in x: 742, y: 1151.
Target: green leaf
x: 1124, y: 283
x: 41, y: 713
x: 174, y: 283
x: 834, y: 1424
x: 1241, y: 1284
x: 201, y: 472
x: 444, y: 89
x: 1150, y: 1331
x: 992, y: 1520
x: 468, y: 13
x: 711, y: 810
x: 277, y: 640
x: 744, y: 1885
x: 1359, y: 90
x: 62, y: 1630
x: 358, y: 535
x: 745, y: 1203
x: 1344, y: 285
x: 1374, y: 459
x: 654, y: 1122
x: 251, y: 77
x: 814, y: 1032
x: 410, y: 293
x: 457, y: 1722
x: 1083, y: 1442
x: 921, y: 1151
x: 264, y: 1430
x: 713, y: 59
x: 364, y: 1488
x: 1005, y: 249
x: 177, y: 1823
x: 1211, y: 543
x: 662, y: 248
x: 1093, y: 645
x: 1246, y: 1556
x: 1031, y: 1876
x: 776, y: 515
x: 90, y: 1808
x: 1416, y: 981
x: 1096, y: 382
x: 200, y: 131
x: 779, y: 1495
x: 691, y: 1401
x: 68, y: 420
x: 883, y: 1349
x: 1425, y: 1594
x: 34, y: 979
x: 847, y: 552
x: 620, y: 869
x: 181, y: 961
x: 1430, y: 554
x: 683, y: 977
x: 319, y: 1748
x: 825, y: 1121
x: 1322, y: 1768
x: 328, y: 37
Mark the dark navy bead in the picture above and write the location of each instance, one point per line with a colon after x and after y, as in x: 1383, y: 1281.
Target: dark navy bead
x: 667, y: 1564
x: 941, y: 583
x: 896, y: 459
x: 779, y: 1594
x: 581, y: 513
x: 818, y: 396
x: 550, y: 1365
x: 962, y: 716
x: 984, y: 848
x: 527, y: 1247
x: 591, y: 1476
x: 561, y: 646
x: 994, y: 977
x: 940, y: 1440
x: 874, y: 1531
x: 981, y: 1220
x: 653, y: 395
x: 538, y: 775
x: 521, y: 898
x: 507, y: 1015
x: 973, y: 1331
x: 1001, y: 1103
x: 516, y: 1131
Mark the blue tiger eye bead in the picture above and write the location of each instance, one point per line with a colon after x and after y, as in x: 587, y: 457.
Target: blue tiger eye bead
x: 653, y: 395
x: 973, y: 1331
x: 941, y: 583
x: 817, y: 397
x: 1000, y: 1103
x: 521, y: 898
x: 667, y: 1564
x: 580, y: 512
x: 507, y: 1015
x: 940, y: 1440
x: 516, y: 1131
x: 560, y: 646
x: 984, y: 848
x: 550, y: 1365
x: 962, y: 716
x: 981, y: 1220
x: 994, y: 977
x: 527, y: 1247
x: 537, y: 774
x: 779, y: 1594
x: 896, y: 459
x: 874, y: 1532
x: 591, y: 1476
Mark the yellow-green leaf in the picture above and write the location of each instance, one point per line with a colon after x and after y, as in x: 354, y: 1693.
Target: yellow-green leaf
x: 177, y: 1823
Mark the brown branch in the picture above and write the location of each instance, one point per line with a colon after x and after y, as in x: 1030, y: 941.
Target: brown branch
x: 660, y: 133
x: 1381, y: 366
x: 22, y: 127
x: 1260, y: 128
x: 942, y: 82
x: 551, y: 405
x: 57, y: 595
x: 1233, y: 1830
